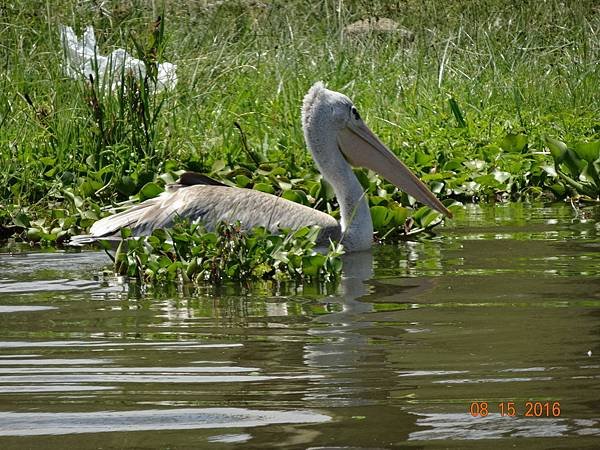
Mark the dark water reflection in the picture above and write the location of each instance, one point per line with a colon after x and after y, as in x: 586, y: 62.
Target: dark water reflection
x: 502, y: 306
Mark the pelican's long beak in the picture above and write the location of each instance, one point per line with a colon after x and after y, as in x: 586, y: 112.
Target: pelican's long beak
x: 362, y: 148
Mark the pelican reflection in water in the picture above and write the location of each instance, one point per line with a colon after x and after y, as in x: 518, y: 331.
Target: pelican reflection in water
x: 337, y: 138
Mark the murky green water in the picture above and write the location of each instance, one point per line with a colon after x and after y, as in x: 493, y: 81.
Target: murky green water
x: 502, y: 306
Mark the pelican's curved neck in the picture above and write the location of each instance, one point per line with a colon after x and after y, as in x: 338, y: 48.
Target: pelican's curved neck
x: 357, y: 227
x: 355, y: 216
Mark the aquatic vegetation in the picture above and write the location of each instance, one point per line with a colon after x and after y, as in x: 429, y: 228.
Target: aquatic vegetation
x: 465, y: 101
x: 189, y: 253
x: 578, y: 166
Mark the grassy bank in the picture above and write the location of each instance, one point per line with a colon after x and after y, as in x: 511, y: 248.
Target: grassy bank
x: 463, y: 91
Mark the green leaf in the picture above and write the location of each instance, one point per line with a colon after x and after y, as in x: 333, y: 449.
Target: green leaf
x: 458, y: 115
x: 34, y: 234
x: 296, y: 195
x: 21, y: 220
x: 590, y: 175
x: 242, y: 181
x: 126, y: 185
x: 500, y: 176
x: 589, y: 151
x: 399, y: 214
x: 557, y: 149
x: 574, y: 163
x: 475, y: 165
x: 312, y: 264
x: 380, y: 217
x: 327, y: 191
x: 514, y: 143
x: 77, y: 200
x: 218, y: 166
x: 425, y: 216
x: 46, y: 160
x: 150, y: 190
x: 160, y: 234
x: 264, y: 187
x: 89, y: 186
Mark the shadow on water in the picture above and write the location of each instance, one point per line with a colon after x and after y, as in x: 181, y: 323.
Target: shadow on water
x: 502, y: 306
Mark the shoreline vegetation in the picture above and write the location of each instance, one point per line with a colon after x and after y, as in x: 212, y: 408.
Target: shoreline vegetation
x: 485, y: 100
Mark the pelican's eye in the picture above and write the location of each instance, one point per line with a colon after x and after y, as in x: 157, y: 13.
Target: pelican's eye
x: 355, y: 113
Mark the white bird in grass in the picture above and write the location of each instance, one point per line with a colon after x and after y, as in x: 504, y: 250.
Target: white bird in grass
x: 336, y: 136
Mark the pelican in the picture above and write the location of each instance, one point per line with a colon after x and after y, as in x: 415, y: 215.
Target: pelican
x: 337, y: 138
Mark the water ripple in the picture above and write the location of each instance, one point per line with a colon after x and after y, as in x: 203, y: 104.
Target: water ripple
x: 30, y: 424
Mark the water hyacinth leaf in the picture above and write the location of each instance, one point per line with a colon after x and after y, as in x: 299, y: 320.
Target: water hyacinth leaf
x: 294, y: 261
x: 336, y: 264
x: 590, y: 175
x: 327, y: 191
x: 89, y: 186
x: 314, y: 190
x: 559, y: 189
x: 76, y: 199
x: 475, y: 165
x: 126, y: 185
x: 21, y: 220
x: 471, y: 187
x: 377, y: 200
x: 264, y: 187
x: 153, y: 241
x: 58, y: 213
x: 453, y: 165
x: 436, y: 176
x: 425, y: 216
x: 487, y: 180
x: 210, y: 238
x: 399, y: 214
x: 589, y: 151
x: 150, y: 190
x: 550, y: 170
x: 218, y: 166
x: 301, y: 232
x: 363, y: 178
x: 164, y: 261
x: 500, y: 176
x: 312, y: 264
x: 167, y: 177
x: 557, y: 149
x: 283, y: 183
x: 574, y: 163
x: 89, y: 214
x: 47, y: 161
x: 242, y: 180
x: 34, y: 234
x: 514, y: 142
x: 296, y: 195
x: 437, y: 187
x: 380, y: 217
x: 278, y: 171
x: 424, y: 159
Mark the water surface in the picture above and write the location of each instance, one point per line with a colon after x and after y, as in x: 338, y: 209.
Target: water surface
x: 503, y: 305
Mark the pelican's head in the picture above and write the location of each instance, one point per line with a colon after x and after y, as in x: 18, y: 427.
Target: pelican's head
x: 330, y: 117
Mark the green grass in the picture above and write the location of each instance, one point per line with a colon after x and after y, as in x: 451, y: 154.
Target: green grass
x: 466, y: 101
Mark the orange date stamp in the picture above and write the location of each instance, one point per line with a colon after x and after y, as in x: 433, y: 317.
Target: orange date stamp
x: 512, y: 409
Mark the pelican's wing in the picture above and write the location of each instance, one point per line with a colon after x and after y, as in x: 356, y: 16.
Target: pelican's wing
x: 210, y: 205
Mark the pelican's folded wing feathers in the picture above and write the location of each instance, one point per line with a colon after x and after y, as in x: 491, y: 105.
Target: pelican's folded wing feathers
x: 211, y: 204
